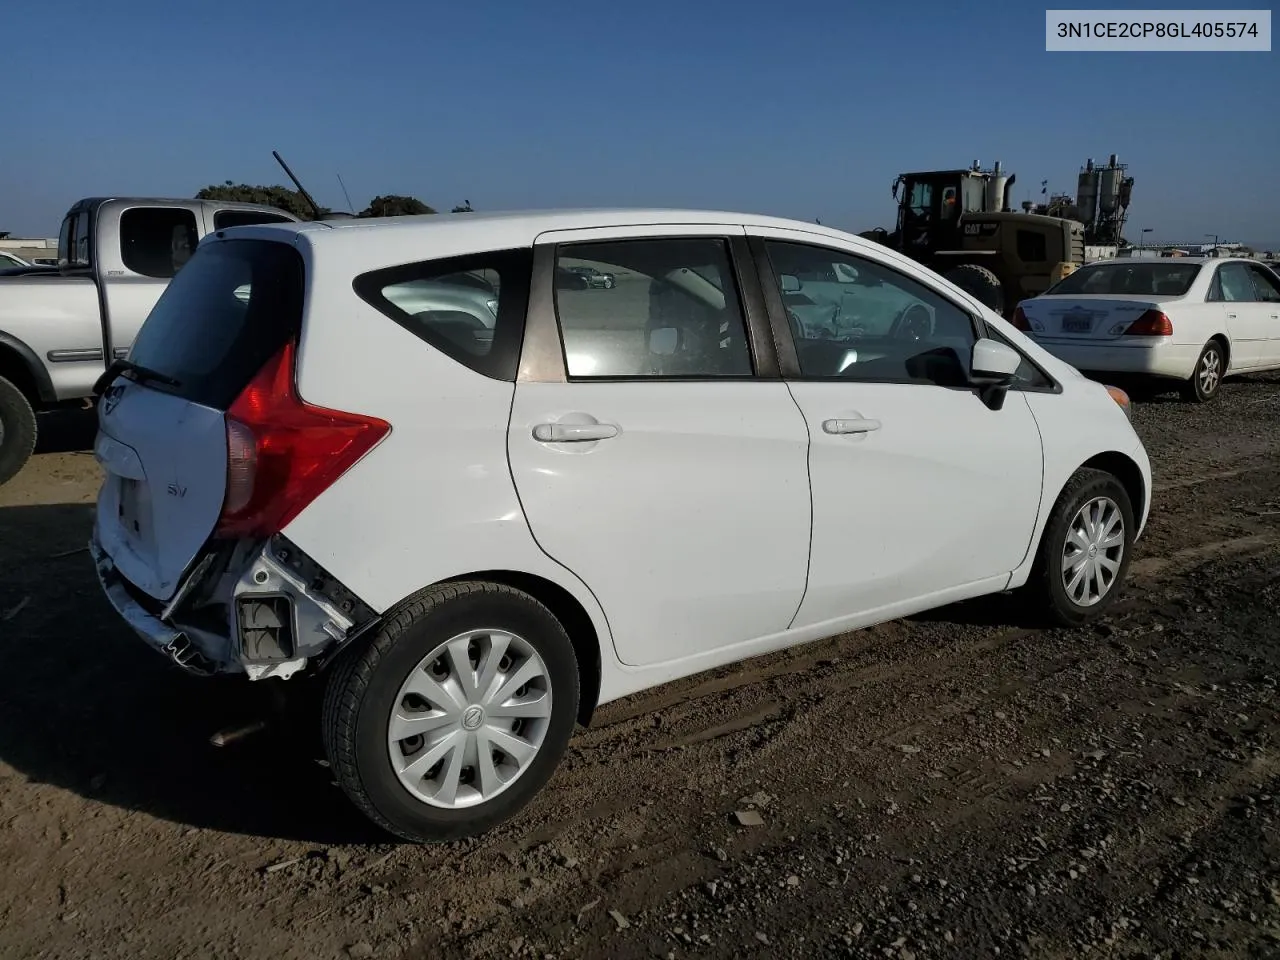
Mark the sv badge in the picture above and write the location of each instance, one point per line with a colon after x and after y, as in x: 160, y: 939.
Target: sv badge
x: 177, y: 490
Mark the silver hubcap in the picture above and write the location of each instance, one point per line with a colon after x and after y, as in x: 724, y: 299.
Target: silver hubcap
x: 1210, y: 371
x: 469, y: 718
x: 1091, y: 556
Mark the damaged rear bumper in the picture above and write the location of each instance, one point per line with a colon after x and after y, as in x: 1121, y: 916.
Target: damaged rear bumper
x: 279, y: 612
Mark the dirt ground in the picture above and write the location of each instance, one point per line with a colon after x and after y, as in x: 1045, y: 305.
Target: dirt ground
x: 954, y: 785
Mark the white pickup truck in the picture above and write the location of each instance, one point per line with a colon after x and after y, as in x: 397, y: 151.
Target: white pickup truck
x: 60, y: 329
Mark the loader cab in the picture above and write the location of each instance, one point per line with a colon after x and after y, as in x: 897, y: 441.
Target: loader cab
x: 930, y: 207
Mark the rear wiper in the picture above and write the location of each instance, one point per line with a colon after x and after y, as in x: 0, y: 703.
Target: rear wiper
x: 139, y: 373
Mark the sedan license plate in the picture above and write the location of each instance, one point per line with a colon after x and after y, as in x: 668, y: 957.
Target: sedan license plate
x: 1077, y: 324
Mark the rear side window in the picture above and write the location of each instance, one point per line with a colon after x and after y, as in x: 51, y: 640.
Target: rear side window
x: 157, y: 241
x: 222, y: 318
x: 471, y: 308
x: 239, y: 218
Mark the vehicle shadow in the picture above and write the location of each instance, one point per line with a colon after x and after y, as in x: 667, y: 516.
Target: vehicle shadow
x: 66, y: 431
x: 990, y: 610
x: 85, y: 706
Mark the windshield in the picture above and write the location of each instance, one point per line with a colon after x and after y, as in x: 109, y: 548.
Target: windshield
x: 1114, y: 278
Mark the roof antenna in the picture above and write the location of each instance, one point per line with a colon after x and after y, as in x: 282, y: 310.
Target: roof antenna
x: 344, y: 192
x: 315, y: 207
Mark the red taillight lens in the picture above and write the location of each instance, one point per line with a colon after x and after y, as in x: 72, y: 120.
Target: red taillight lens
x: 1020, y: 319
x: 1153, y: 323
x: 282, y: 453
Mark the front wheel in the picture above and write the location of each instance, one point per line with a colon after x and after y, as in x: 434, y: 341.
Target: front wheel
x: 1085, y: 550
x: 1206, y: 380
x: 17, y: 430
x: 455, y: 715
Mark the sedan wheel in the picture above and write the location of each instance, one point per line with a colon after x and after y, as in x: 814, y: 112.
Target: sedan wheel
x: 1085, y: 549
x: 456, y: 714
x: 1207, y: 378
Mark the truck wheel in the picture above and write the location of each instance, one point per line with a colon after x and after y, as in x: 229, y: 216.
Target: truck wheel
x: 17, y: 430
x: 980, y: 282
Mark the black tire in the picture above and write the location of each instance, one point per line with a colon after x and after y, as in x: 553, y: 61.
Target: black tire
x: 1045, y: 588
x: 17, y: 430
x: 979, y: 282
x: 361, y: 692
x: 1200, y: 387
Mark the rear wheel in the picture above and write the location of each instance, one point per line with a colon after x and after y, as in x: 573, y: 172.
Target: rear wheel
x: 1085, y: 550
x: 1206, y: 379
x: 455, y: 715
x: 981, y: 283
x: 17, y: 430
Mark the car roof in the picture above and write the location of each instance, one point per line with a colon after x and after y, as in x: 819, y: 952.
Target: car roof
x: 523, y: 226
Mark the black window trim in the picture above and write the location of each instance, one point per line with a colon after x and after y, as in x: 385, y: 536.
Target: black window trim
x: 789, y: 358
x: 514, y: 266
x: 760, y: 344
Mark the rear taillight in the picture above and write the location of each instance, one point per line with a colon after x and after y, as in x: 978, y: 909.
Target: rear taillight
x: 1020, y: 319
x: 1153, y: 323
x: 282, y: 453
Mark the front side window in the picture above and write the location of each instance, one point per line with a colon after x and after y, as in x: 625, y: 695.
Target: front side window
x: 673, y: 310
x: 156, y: 241
x: 871, y: 322
x: 471, y: 308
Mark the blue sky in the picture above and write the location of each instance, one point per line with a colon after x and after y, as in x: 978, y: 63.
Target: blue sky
x: 805, y: 109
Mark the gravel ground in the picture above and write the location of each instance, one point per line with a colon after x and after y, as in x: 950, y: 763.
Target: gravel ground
x: 952, y: 785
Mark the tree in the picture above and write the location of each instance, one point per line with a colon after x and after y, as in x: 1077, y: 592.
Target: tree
x: 392, y: 205
x: 282, y: 198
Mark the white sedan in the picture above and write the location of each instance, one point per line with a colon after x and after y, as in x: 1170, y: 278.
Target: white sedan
x: 1191, y: 320
x: 312, y: 473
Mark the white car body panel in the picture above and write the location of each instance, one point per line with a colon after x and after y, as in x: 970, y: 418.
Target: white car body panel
x: 672, y: 584
x: 691, y: 526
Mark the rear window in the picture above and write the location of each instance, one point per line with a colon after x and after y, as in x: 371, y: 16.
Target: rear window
x: 243, y: 218
x: 1118, y: 279
x: 222, y: 318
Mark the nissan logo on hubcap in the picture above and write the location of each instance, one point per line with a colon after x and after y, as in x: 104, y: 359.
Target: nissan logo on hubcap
x: 472, y: 717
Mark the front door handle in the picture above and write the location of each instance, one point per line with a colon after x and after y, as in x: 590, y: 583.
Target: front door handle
x: 1231, y: 316
x: 850, y: 426
x: 573, y: 432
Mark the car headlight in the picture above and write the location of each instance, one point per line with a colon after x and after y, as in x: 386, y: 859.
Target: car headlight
x: 1122, y: 399
x: 493, y: 307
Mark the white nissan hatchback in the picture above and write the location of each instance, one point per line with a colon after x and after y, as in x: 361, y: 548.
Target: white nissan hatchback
x: 477, y: 521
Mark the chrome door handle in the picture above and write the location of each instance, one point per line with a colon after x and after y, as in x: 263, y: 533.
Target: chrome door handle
x: 850, y: 426
x: 573, y: 432
x: 1231, y: 316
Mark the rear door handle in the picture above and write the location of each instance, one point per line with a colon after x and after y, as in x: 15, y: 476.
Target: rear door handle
x: 850, y: 426
x: 1231, y: 316
x: 573, y: 432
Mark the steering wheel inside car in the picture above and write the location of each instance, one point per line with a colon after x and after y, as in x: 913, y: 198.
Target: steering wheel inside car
x: 914, y: 323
